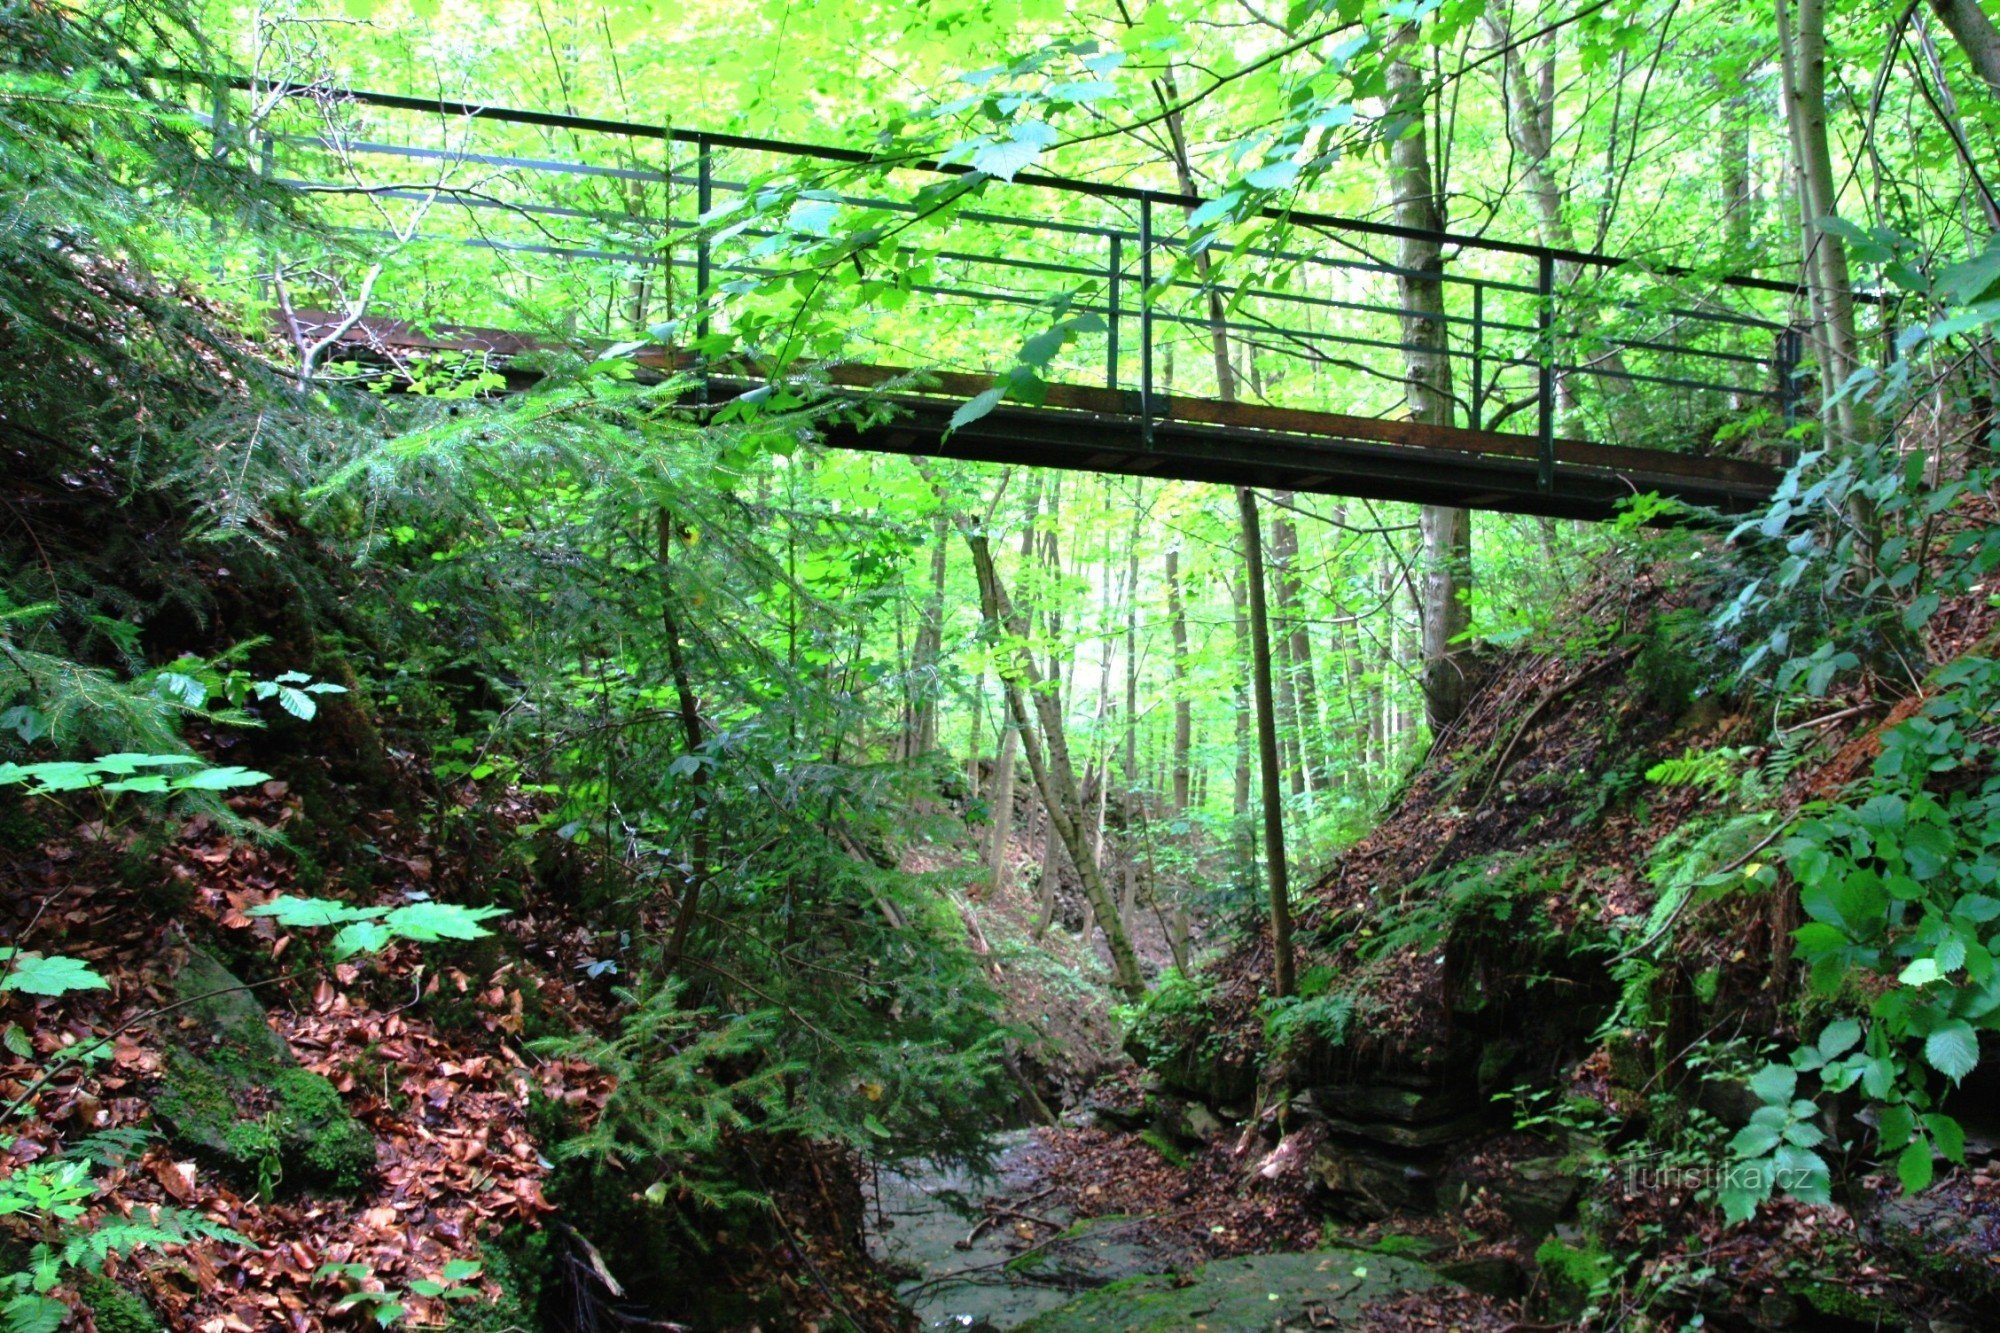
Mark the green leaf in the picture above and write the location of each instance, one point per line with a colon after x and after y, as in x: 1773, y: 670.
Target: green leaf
x: 1274, y: 175
x: 441, y: 921
x: 29, y: 1313
x: 1894, y: 1125
x: 33, y: 974
x: 1803, y: 1174
x: 1009, y: 157
x: 1804, y: 1134
x: 1921, y: 972
x: 1947, y: 1135
x: 1839, y: 1037
x: 307, y: 913
x: 1744, y: 1186
x: 220, y: 779
x: 1754, y: 1141
x: 361, y: 937
x: 977, y: 406
x: 1973, y: 279
x: 1214, y: 210
x: 1775, y: 1084
x: 15, y: 1039
x: 1913, y: 1166
x: 1953, y: 1050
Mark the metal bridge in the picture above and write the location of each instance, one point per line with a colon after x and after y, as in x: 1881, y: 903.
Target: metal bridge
x: 1578, y: 379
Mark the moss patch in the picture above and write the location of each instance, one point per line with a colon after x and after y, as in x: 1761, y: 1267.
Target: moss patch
x: 117, y: 1310
x: 1574, y: 1273
x: 239, y: 1100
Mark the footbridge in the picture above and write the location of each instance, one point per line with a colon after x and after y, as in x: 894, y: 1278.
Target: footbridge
x: 1577, y: 379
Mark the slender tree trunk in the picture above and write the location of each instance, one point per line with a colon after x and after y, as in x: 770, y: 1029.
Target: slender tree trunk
x: 1802, y: 69
x: 1284, y: 548
x: 929, y: 644
x: 1001, y: 803
x: 1427, y: 368
x: 1802, y: 77
x: 1239, y: 804
x: 1298, y: 647
x: 1134, y: 781
x: 1051, y: 873
x: 1183, y: 706
x: 1267, y: 750
x: 1054, y: 775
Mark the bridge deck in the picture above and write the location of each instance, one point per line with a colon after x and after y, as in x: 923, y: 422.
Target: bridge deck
x: 1081, y: 428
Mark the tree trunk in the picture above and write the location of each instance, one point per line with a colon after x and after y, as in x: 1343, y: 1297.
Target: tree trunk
x: 922, y: 738
x: 1239, y: 804
x: 1051, y: 873
x: 1055, y: 777
x: 1530, y: 91
x: 1183, y: 706
x: 1976, y: 36
x: 1267, y: 750
x: 1001, y: 803
x: 1298, y: 648
x: 1427, y: 369
x: 1802, y: 71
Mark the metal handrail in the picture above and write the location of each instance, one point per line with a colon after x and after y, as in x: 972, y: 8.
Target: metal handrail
x: 1094, y: 189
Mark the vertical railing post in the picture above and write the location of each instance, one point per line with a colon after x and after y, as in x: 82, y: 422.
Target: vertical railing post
x: 1545, y: 388
x: 1146, y: 319
x: 1111, y: 313
x: 1472, y: 410
x: 704, y: 199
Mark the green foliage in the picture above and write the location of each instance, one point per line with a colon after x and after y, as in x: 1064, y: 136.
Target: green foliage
x: 369, y: 929
x: 116, y: 773
x: 386, y: 1305
x: 35, y: 974
x: 1176, y: 1011
x: 1898, y: 875
x: 52, y: 1197
x: 1900, y: 878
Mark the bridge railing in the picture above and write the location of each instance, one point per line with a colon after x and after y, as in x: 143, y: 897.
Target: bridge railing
x: 547, y: 223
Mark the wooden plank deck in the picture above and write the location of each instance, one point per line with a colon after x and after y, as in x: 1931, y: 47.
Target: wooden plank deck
x: 1198, y: 439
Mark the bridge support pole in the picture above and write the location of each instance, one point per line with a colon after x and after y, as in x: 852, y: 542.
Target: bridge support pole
x: 1146, y: 320
x: 1111, y: 313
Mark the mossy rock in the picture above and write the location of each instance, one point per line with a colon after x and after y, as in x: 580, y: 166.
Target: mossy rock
x: 1573, y: 1274
x: 237, y: 1098
x: 117, y: 1310
x: 1841, y: 1302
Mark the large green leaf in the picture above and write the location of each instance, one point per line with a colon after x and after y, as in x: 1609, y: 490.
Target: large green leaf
x: 1953, y: 1049
x: 309, y: 913
x: 441, y: 921
x: 34, y: 974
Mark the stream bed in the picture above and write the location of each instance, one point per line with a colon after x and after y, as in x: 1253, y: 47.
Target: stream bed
x: 997, y: 1253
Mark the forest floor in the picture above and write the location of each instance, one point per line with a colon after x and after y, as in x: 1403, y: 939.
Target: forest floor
x: 430, y: 1049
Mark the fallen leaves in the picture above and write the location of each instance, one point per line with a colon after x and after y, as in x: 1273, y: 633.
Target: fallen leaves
x: 447, y: 1105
